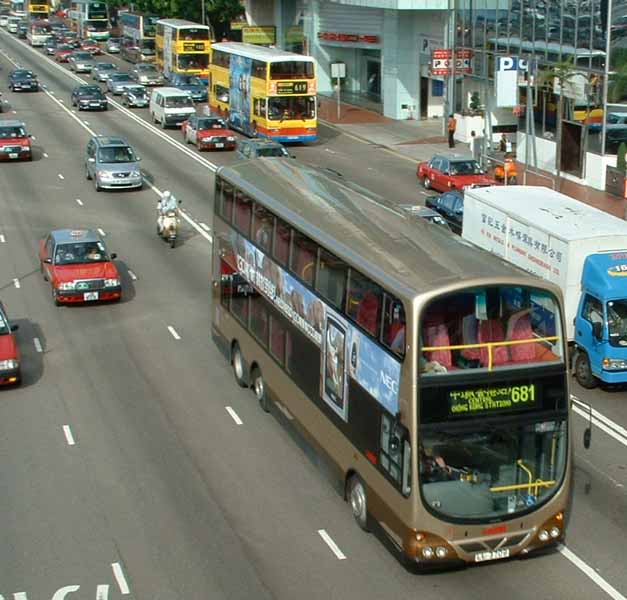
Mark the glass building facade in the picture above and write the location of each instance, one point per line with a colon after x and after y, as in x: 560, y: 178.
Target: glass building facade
x: 581, y: 34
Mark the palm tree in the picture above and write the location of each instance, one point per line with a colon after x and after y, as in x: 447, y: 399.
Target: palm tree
x: 561, y: 73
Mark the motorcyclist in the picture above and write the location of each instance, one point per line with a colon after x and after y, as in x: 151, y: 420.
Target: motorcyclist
x: 167, y: 203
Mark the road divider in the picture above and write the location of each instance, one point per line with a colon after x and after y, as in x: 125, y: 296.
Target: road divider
x: 16, y: 283
x: 175, y: 335
x: 234, y: 415
x: 79, y: 202
x: 118, y: 573
x: 38, y: 346
x: 68, y: 435
x: 329, y: 542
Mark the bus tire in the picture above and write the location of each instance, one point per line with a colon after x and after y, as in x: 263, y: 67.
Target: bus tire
x: 358, y: 501
x: 583, y: 372
x: 259, y: 389
x: 237, y: 362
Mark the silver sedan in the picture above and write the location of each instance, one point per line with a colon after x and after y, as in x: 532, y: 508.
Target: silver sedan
x: 102, y: 71
x: 117, y: 82
x: 81, y: 62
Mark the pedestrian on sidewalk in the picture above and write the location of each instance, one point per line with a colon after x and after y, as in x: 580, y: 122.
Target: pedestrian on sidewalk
x: 452, y: 126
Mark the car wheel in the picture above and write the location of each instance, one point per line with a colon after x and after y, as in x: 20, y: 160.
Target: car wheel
x: 583, y: 372
x: 358, y: 501
x: 87, y: 175
x: 55, y: 299
x: 97, y: 185
x: 427, y: 183
x: 259, y: 389
x: 237, y: 361
x: 163, y: 125
x: 42, y: 270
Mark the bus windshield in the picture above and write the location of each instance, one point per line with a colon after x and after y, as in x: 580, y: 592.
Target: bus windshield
x: 490, y: 328
x: 97, y: 25
x: 193, y: 61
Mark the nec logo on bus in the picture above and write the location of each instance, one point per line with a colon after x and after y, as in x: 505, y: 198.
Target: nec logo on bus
x: 389, y: 382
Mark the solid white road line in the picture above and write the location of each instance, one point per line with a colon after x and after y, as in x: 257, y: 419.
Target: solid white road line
x: 38, y: 346
x: 591, y: 573
x: 118, y: 573
x: 101, y: 232
x: 234, y: 415
x: 599, y: 420
x: 16, y: 283
x: 334, y: 547
x: 205, y: 226
x: 132, y: 275
x: 175, y: 335
x: 79, y: 202
x: 61, y: 176
x: 68, y: 435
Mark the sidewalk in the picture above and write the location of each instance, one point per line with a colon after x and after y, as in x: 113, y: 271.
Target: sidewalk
x: 419, y: 140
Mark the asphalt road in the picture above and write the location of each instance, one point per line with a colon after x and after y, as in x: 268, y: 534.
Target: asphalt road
x: 122, y: 471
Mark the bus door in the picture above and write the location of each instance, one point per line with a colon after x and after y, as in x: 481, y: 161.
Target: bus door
x: 239, y: 98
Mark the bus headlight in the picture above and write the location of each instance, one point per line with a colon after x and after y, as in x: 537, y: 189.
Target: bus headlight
x: 441, y: 552
x: 555, y: 532
x: 543, y: 536
x: 427, y: 552
x: 614, y: 364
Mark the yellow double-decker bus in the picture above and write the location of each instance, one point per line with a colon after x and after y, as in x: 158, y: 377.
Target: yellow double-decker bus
x: 38, y: 10
x: 182, y: 47
x: 264, y: 91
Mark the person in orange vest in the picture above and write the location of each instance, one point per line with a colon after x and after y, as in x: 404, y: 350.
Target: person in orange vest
x: 452, y: 125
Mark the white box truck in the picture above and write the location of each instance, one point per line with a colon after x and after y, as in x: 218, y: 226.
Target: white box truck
x: 576, y: 246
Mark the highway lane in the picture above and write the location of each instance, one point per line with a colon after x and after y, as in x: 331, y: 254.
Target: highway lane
x: 313, y: 499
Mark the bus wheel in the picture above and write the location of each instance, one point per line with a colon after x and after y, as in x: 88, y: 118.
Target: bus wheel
x: 259, y: 388
x: 238, y: 365
x: 359, y: 503
x: 583, y: 372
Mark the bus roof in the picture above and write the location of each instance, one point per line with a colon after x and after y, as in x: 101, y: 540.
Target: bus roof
x: 260, y: 52
x: 407, y: 256
x: 181, y: 23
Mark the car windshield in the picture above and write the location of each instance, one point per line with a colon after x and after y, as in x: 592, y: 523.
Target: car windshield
x: 465, y: 167
x: 106, y: 67
x: 136, y: 90
x: 119, y: 154
x: 79, y: 253
x: 4, y: 326
x: 491, y: 471
x: 179, y: 102
x: 146, y: 69
x: 489, y: 328
x: 119, y: 77
x: 211, y: 124
x: 272, y: 151
x: 12, y: 132
x: 82, y: 56
x: 89, y: 90
x: 617, y: 322
x: 23, y: 75
x: 64, y: 47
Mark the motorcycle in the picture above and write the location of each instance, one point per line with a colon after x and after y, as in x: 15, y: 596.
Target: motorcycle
x: 168, y: 227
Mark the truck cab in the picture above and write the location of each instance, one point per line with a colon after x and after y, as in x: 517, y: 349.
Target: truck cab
x: 601, y: 321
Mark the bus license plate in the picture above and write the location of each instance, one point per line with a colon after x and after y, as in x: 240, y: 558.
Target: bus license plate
x: 13, y: 155
x: 492, y: 555
x: 219, y: 145
x: 90, y: 296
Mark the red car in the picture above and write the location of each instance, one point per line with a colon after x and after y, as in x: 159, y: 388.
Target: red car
x: 14, y: 141
x: 62, y: 53
x: 78, y: 267
x: 452, y: 172
x: 10, y: 373
x: 208, y: 133
x: 91, y: 47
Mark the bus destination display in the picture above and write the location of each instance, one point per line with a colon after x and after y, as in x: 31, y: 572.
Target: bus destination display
x: 492, y: 400
x: 291, y: 87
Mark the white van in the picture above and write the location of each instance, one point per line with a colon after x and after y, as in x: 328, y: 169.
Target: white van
x: 170, y: 106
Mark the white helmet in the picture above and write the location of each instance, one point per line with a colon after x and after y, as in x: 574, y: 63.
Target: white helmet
x: 166, y: 194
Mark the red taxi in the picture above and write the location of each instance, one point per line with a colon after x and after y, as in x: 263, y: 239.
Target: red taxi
x: 9, y: 353
x: 91, y: 47
x: 62, y: 53
x: 208, y: 133
x: 14, y: 141
x: 78, y: 267
x: 452, y: 172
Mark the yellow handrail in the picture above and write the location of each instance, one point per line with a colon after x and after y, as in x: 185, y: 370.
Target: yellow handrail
x: 519, y: 486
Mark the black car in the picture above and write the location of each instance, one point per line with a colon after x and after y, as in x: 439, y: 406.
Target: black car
x: 51, y: 45
x: 22, y: 31
x: 451, y: 206
x: 21, y: 80
x: 89, y: 97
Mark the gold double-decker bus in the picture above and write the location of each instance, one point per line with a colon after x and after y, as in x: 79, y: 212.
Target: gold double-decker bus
x: 38, y: 10
x: 183, y: 47
x: 428, y: 373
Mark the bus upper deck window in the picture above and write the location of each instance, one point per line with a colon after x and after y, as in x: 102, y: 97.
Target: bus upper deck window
x: 281, y: 250
x: 243, y: 213
x: 394, y: 325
